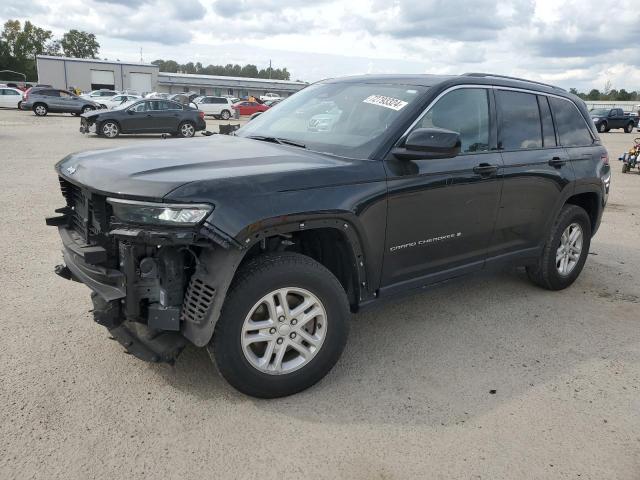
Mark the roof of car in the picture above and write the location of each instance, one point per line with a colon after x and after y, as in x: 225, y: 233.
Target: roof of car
x: 427, y: 80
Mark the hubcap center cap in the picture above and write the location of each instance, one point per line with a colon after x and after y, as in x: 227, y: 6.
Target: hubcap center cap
x: 284, y: 329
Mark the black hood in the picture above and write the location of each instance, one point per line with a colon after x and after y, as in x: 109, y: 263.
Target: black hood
x: 233, y: 165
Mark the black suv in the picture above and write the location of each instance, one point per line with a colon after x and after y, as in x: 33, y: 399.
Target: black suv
x: 258, y: 246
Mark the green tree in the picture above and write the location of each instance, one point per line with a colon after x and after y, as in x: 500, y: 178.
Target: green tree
x: 79, y: 44
x: 20, y: 45
x: 624, y: 96
x: 594, y: 94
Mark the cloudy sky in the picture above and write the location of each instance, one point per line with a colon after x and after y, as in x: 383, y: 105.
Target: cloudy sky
x: 569, y: 43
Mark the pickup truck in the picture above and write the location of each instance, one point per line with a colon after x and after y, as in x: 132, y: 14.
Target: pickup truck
x: 258, y: 246
x: 608, y: 118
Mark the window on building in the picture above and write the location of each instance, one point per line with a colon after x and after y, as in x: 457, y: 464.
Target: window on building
x: 185, y: 89
x: 203, y: 91
x: 230, y: 91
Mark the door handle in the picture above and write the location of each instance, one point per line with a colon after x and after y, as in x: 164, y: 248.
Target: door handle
x: 557, y: 162
x: 485, y: 169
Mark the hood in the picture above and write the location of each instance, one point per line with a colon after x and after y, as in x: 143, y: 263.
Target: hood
x: 218, y: 164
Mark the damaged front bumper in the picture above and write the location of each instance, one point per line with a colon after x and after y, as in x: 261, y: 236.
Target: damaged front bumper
x: 151, y: 287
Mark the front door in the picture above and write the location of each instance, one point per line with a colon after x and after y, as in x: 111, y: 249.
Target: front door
x: 441, y: 212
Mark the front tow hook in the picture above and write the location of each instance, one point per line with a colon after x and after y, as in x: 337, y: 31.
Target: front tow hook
x: 63, y: 271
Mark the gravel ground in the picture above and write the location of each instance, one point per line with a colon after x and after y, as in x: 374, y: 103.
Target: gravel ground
x: 410, y: 397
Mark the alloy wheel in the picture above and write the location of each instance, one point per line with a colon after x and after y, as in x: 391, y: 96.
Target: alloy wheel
x: 570, y: 249
x: 41, y: 110
x: 110, y: 130
x: 187, y: 130
x: 284, y: 331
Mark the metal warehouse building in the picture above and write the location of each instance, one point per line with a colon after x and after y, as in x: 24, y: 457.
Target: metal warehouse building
x: 89, y: 74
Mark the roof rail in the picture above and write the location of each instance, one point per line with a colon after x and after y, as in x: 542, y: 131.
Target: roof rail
x: 476, y: 74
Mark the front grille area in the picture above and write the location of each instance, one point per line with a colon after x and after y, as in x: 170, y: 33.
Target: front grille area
x: 89, y: 212
x: 197, y: 301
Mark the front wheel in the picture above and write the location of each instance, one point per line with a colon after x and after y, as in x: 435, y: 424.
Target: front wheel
x: 565, y: 251
x: 283, y: 326
x: 86, y: 109
x: 629, y: 128
x: 110, y: 129
x: 625, y: 167
x: 186, y: 130
x: 225, y: 115
x: 602, y: 128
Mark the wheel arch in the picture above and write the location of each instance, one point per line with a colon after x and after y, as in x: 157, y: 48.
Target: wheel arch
x: 590, y: 201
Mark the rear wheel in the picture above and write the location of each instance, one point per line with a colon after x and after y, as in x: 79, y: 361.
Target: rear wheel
x: 20, y: 105
x: 40, y: 109
x: 625, y: 167
x: 87, y: 108
x: 186, y: 130
x: 629, y: 127
x: 283, y: 326
x: 110, y: 129
x: 565, y: 251
x: 225, y: 114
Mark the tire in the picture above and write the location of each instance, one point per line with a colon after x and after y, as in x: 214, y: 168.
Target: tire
x: 262, y: 278
x: 109, y: 129
x: 602, y: 128
x: 186, y: 130
x: 225, y: 114
x: 86, y: 109
x: 40, y: 109
x: 546, y: 273
x: 20, y: 105
x: 625, y: 167
x: 629, y: 128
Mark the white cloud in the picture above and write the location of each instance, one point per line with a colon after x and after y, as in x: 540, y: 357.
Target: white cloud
x: 570, y: 43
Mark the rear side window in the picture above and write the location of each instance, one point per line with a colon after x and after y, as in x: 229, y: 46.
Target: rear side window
x: 548, y: 133
x: 572, y: 128
x: 520, y: 126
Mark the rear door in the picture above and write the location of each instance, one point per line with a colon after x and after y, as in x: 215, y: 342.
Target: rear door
x: 536, y: 172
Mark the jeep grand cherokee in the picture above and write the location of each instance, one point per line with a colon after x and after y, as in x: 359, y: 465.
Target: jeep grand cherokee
x: 258, y: 246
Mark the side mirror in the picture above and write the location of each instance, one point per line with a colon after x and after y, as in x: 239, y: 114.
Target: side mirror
x: 130, y: 111
x: 426, y: 143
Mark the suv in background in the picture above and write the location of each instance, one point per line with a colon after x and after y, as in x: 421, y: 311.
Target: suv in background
x: 270, y: 96
x: 260, y: 245
x: 607, y: 118
x: 45, y: 100
x: 219, y: 107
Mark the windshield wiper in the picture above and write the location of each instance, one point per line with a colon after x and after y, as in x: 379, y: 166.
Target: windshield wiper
x: 281, y: 141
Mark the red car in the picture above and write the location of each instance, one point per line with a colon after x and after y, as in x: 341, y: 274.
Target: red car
x: 249, y: 108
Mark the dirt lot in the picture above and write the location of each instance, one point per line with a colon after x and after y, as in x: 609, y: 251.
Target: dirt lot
x: 410, y: 397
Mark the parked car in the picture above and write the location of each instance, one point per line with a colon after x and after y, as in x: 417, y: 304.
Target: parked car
x: 97, y: 95
x: 10, y: 97
x: 117, y: 100
x: 258, y: 246
x: 184, y: 98
x: 145, y: 116
x: 271, y: 103
x: 270, y: 96
x: 45, y: 100
x: 157, y: 95
x: 249, y: 108
x: 219, y: 107
x: 607, y: 118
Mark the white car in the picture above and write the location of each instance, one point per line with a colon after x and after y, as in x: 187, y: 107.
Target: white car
x: 270, y: 96
x: 10, y: 97
x: 216, y: 106
x: 98, y: 95
x: 116, y: 100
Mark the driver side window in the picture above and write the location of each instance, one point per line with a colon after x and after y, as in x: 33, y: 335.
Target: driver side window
x: 465, y: 111
x: 139, y: 107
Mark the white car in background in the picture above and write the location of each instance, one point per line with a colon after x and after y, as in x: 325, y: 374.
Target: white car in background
x: 10, y: 97
x: 117, y: 100
x: 99, y: 95
x: 270, y: 96
x: 219, y: 107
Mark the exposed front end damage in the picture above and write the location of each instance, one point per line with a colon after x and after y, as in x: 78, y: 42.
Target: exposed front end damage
x: 152, y: 287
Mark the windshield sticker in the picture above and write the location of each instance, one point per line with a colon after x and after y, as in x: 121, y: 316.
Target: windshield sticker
x: 388, y: 102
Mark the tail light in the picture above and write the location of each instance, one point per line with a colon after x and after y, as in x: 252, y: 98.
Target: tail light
x: 201, y: 114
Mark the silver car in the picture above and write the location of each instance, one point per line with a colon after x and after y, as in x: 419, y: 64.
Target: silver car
x: 45, y: 100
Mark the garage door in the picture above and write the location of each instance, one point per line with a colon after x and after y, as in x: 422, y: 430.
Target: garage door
x: 102, y: 79
x: 141, y: 82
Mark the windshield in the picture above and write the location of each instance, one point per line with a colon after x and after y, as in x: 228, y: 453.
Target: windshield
x: 599, y: 112
x: 346, y: 119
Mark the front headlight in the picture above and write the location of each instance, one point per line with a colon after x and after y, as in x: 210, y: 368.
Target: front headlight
x: 595, y: 119
x: 185, y: 215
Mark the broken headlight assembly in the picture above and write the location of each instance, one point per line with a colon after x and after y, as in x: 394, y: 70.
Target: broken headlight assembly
x: 166, y: 214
